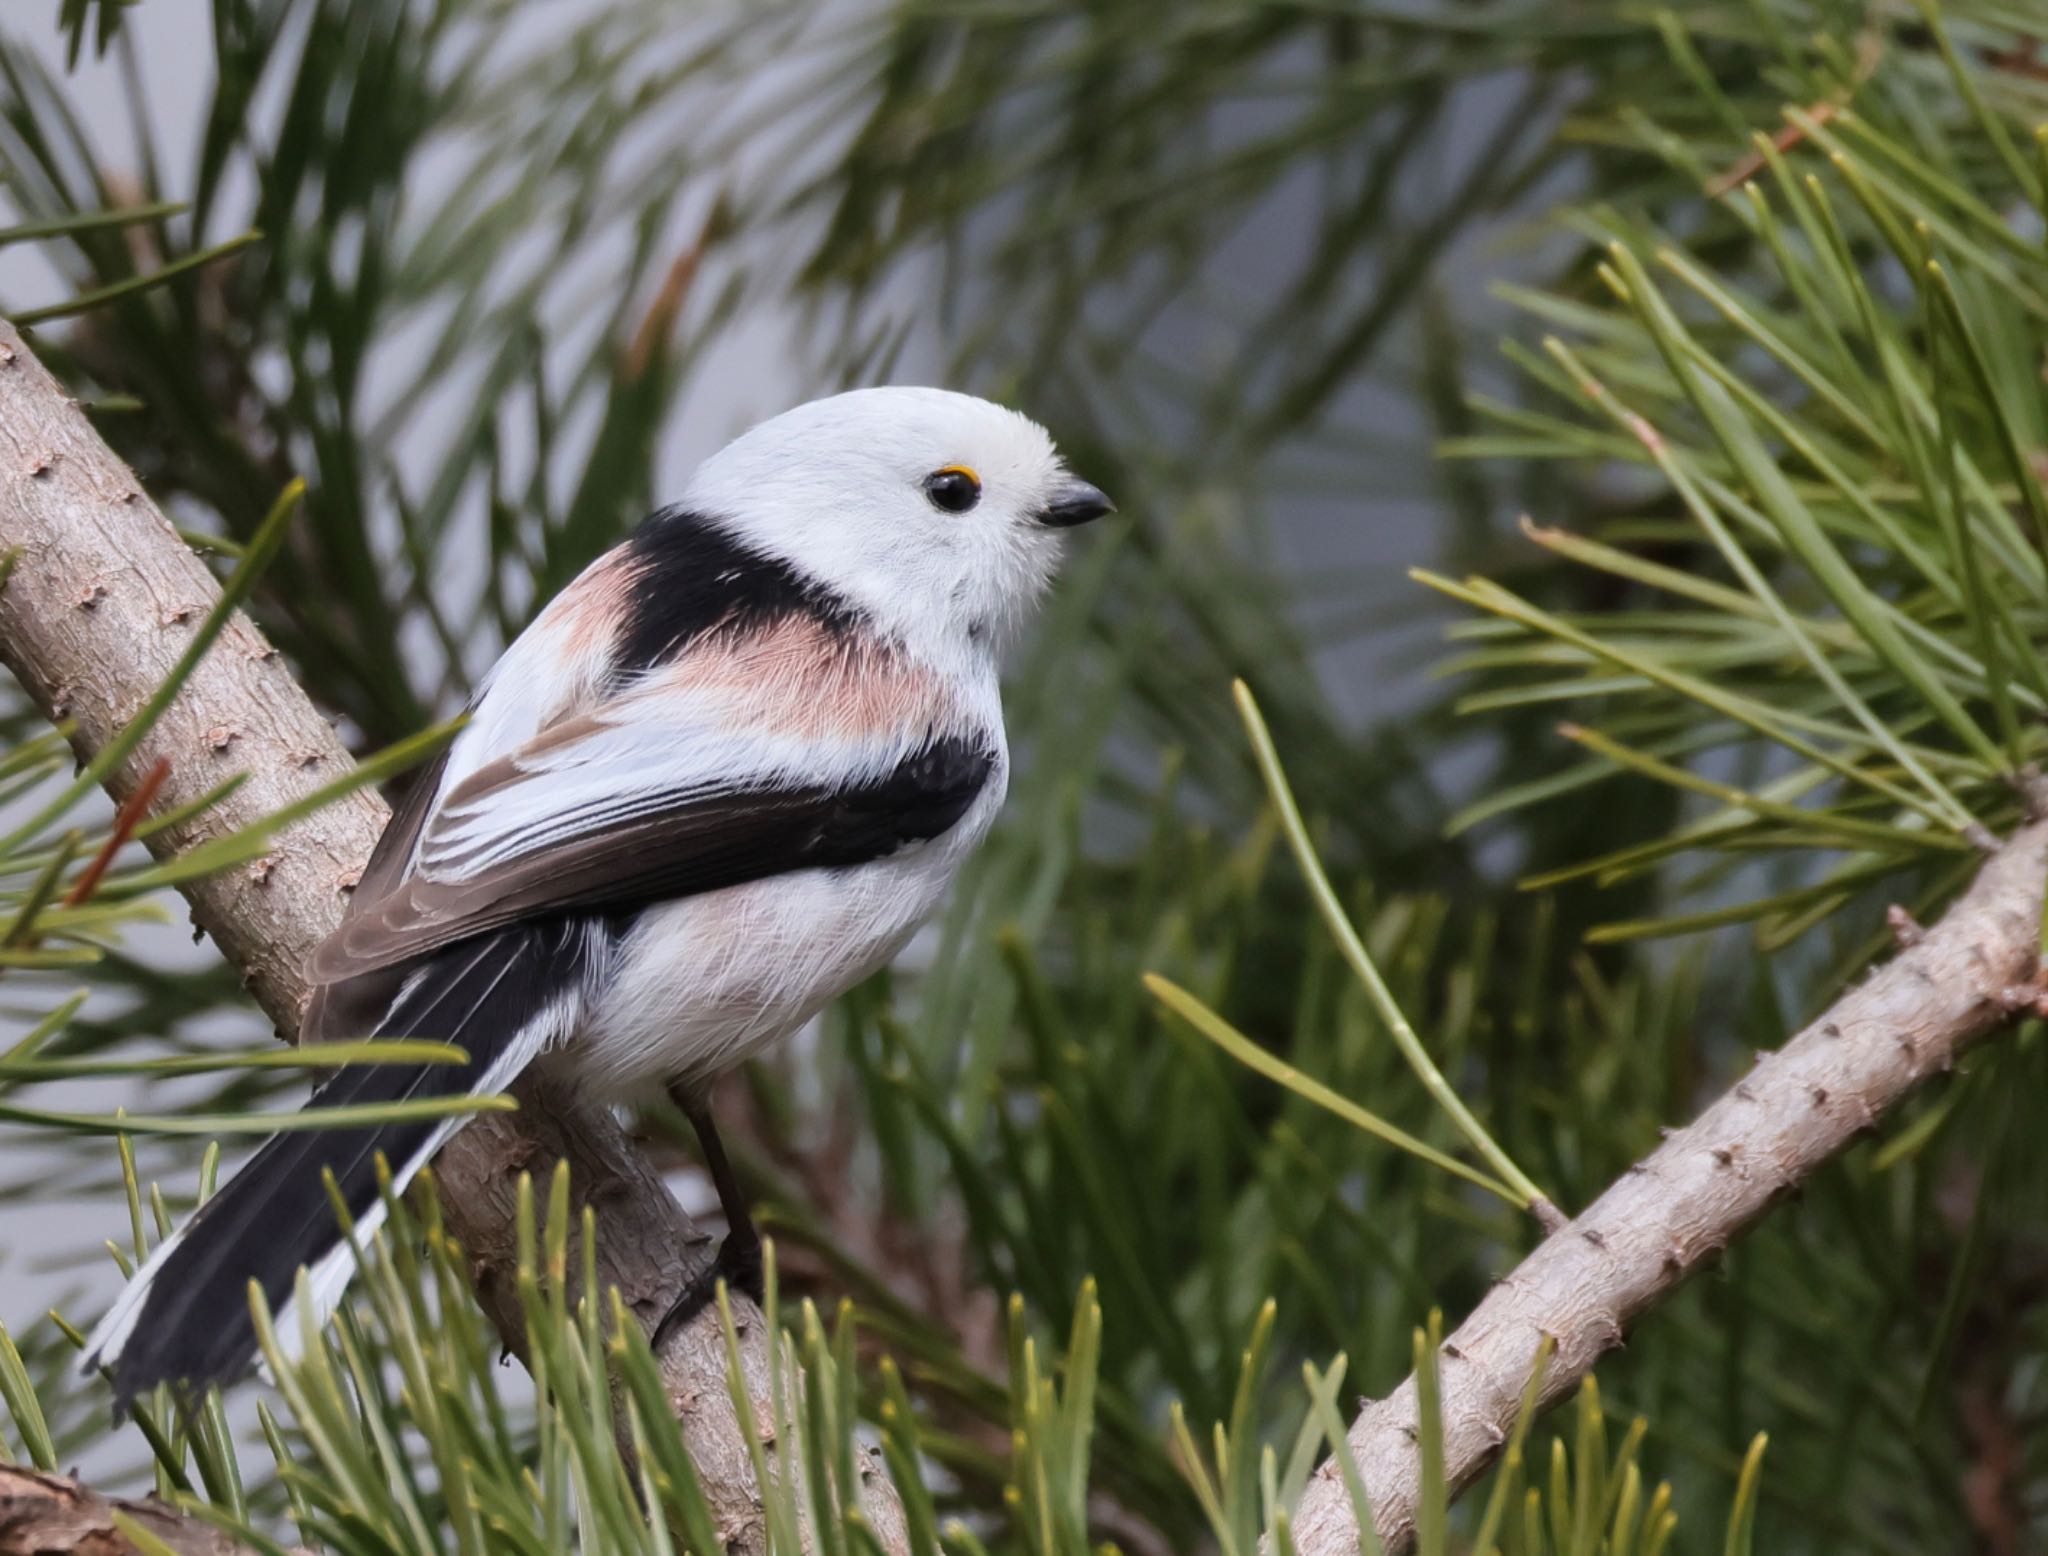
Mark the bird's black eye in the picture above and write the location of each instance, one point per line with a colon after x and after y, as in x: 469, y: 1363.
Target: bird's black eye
x: 955, y: 488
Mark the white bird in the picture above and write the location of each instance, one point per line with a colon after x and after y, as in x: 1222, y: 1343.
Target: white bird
x: 722, y: 778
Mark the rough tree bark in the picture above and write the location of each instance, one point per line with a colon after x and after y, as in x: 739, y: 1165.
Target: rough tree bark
x: 49, y: 1515
x: 101, y: 602
x: 1681, y: 1205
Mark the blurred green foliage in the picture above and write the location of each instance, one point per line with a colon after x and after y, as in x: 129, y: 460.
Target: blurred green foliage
x: 412, y: 1362
x: 1776, y: 298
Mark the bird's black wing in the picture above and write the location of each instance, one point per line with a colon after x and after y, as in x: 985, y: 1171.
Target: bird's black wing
x: 693, y: 842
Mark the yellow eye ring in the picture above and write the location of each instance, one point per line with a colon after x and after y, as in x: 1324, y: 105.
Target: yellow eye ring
x: 953, y: 489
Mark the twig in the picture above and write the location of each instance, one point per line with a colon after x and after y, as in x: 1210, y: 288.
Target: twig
x: 133, y: 812
x: 1673, y: 1212
x: 91, y: 619
x: 1869, y: 50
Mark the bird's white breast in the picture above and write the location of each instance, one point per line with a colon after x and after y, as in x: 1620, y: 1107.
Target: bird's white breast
x: 699, y: 984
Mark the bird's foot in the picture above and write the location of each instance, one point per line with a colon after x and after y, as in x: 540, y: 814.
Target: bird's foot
x: 738, y: 1264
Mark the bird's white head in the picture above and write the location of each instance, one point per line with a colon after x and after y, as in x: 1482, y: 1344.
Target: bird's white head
x: 937, y: 514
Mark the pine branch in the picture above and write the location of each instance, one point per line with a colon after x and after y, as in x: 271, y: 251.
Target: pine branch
x: 53, y: 1515
x: 93, y: 617
x: 1674, y: 1211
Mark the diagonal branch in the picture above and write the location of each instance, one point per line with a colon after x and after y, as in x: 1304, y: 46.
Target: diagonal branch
x: 1966, y: 977
x: 100, y: 604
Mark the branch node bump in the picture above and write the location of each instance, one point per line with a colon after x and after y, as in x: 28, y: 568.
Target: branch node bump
x: 2033, y: 791
x: 2024, y: 999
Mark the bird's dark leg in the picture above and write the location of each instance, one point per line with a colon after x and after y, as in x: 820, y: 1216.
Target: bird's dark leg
x: 739, y: 1257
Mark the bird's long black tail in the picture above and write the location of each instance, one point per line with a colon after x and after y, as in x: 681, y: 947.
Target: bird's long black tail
x: 185, y: 1316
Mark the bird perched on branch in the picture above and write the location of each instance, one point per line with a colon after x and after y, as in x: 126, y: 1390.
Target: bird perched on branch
x: 721, y: 778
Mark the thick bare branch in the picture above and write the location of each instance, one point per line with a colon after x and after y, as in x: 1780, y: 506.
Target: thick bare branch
x: 1679, y: 1207
x: 53, y: 1515
x: 100, y: 604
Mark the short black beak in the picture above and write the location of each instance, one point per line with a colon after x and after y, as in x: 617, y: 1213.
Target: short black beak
x: 1076, y: 503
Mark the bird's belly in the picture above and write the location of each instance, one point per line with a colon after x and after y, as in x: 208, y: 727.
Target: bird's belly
x: 698, y: 985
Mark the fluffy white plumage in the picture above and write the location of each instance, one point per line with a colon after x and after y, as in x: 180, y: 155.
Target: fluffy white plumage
x: 834, y: 487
